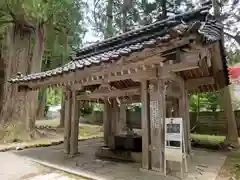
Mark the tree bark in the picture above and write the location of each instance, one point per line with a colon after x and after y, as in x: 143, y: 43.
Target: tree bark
x: 124, y: 15
x: 109, y: 30
x: 226, y: 103
x: 35, y: 67
x: 1, y: 73
x: 42, y: 104
x: 16, y: 59
x: 62, y: 113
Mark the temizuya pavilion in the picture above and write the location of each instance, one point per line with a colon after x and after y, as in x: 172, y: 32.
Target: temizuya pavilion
x: 164, y: 61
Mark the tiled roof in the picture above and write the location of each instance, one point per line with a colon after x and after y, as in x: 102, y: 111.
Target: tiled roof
x: 123, y: 45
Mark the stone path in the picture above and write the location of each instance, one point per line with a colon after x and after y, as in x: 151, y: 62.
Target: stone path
x: 14, y: 167
x: 53, y: 176
x: 203, y: 165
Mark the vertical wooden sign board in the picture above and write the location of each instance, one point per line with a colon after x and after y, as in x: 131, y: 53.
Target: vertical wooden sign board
x: 155, y: 131
x: 174, y: 143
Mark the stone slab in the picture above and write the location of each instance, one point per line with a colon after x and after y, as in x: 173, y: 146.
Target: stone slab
x: 202, y: 165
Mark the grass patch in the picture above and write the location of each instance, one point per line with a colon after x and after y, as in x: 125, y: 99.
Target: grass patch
x: 231, y: 167
x: 88, y: 131
x: 85, y: 130
x: 211, y: 142
x: 13, y: 132
x: 52, y: 123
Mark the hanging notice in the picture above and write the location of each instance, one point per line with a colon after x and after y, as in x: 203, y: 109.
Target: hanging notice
x: 154, y: 114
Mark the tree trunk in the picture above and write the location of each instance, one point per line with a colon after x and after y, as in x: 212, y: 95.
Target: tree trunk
x: 42, y: 104
x: 16, y: 57
x: 109, y: 30
x: 1, y: 74
x: 124, y: 15
x: 35, y: 67
x: 164, y: 9
x: 62, y: 113
x: 226, y: 103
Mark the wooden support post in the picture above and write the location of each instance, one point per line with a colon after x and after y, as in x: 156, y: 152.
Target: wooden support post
x: 146, y: 126
x: 121, y: 123
x: 188, y: 126
x: 67, y: 121
x: 226, y: 102
x: 162, y: 117
x: 74, y: 125
x: 106, y: 122
x: 114, y: 118
x: 182, y: 113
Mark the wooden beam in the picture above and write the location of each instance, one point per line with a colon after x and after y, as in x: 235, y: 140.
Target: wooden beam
x: 146, y: 126
x: 128, y: 92
x: 76, y: 86
x: 115, y: 93
x: 192, y: 84
x: 111, y: 94
x: 140, y: 71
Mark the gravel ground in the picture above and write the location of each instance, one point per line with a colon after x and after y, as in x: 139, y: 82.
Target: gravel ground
x: 14, y: 167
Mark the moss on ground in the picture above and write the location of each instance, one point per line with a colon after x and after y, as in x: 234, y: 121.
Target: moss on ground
x: 13, y: 132
x: 231, y: 167
x: 207, y: 141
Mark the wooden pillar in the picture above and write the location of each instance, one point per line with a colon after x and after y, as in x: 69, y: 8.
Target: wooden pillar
x: 145, y: 123
x: 226, y: 102
x: 74, y: 124
x: 183, y: 113
x: 175, y: 107
x: 121, y: 123
x: 106, y: 122
x: 188, y: 126
x: 113, y: 125
x: 67, y: 121
x: 157, y: 118
x: 162, y: 117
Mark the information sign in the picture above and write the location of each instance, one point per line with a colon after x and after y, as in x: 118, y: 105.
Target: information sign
x: 174, y: 142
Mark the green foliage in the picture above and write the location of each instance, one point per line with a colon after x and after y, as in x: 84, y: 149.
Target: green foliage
x: 210, y: 101
x: 194, y: 103
x: 134, y: 107
x: 204, y: 102
x: 233, y: 57
x: 87, y: 109
x: 133, y: 13
x: 54, y: 96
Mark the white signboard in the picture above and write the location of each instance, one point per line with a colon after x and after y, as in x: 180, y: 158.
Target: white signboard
x: 174, y: 142
x: 174, y: 131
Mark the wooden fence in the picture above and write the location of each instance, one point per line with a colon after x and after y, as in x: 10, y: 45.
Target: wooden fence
x: 204, y: 122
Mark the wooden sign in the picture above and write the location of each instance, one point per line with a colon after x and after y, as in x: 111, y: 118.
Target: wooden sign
x: 154, y: 114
